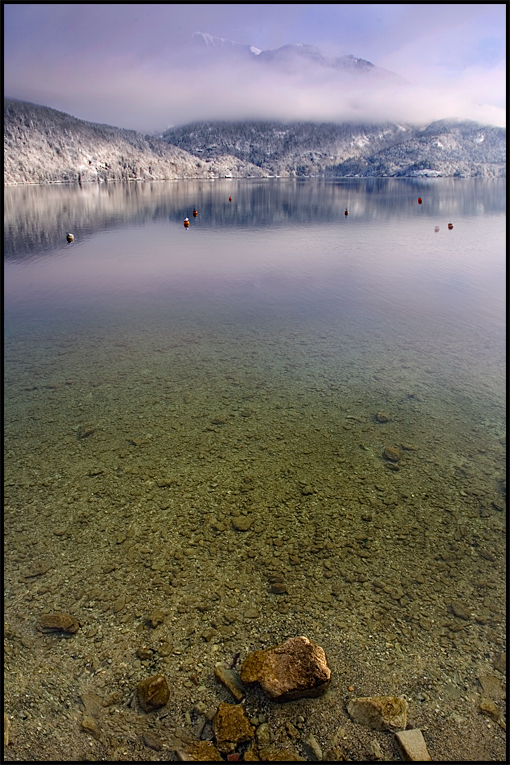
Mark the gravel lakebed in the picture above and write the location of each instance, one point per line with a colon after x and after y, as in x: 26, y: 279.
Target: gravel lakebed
x: 190, y: 501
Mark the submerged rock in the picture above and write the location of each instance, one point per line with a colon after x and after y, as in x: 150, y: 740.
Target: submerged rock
x: 89, y: 725
x: 293, y: 670
x: 198, y: 751
x: 412, y: 746
x: 489, y: 708
x: 153, y: 693
x: 156, y: 617
x: 57, y: 622
x: 242, y: 522
x: 231, y: 727
x: 379, y: 712
x: 230, y: 679
x: 391, y: 454
x: 499, y: 662
x: 277, y: 754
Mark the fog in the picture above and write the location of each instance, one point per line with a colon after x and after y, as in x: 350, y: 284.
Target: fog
x: 139, y: 67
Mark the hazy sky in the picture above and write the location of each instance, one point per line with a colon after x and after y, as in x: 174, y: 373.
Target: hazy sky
x: 135, y: 66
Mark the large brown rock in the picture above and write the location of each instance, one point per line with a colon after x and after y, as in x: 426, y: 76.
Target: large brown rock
x: 293, y: 670
x: 379, y: 712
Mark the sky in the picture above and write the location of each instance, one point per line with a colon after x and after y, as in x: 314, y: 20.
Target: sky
x: 136, y: 66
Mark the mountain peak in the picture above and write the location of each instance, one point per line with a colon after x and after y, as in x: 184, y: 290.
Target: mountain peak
x: 292, y: 57
x: 210, y: 42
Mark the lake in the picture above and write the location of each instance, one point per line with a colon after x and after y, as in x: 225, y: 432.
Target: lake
x: 283, y: 420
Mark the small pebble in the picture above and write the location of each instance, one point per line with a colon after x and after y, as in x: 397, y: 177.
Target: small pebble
x: 153, y: 693
x: 57, y: 622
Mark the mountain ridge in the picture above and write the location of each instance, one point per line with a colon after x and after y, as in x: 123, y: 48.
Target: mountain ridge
x: 442, y: 148
x: 43, y: 145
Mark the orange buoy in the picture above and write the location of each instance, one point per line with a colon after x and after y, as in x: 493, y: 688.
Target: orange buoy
x: 194, y: 213
x: 346, y: 212
x: 230, y: 199
x: 70, y: 237
x: 419, y: 200
x: 186, y: 223
x: 450, y: 226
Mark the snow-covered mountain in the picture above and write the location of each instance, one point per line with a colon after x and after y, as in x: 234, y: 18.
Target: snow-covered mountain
x: 293, y: 58
x: 443, y: 148
x: 42, y: 145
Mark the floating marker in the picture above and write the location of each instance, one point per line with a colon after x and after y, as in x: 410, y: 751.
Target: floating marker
x: 346, y: 212
x: 186, y: 223
x: 419, y: 200
x: 194, y: 213
x: 70, y: 237
x: 450, y: 226
x: 230, y: 199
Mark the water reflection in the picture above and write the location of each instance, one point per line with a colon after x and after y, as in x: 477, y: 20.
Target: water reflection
x: 36, y: 218
x: 278, y: 246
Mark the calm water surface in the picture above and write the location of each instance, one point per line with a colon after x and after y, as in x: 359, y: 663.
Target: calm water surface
x: 162, y: 383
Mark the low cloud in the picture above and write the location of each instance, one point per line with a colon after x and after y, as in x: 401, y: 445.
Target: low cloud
x: 148, y: 100
x: 249, y: 92
x: 123, y: 76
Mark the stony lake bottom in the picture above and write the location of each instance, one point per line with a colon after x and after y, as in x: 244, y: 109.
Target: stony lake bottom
x: 281, y: 394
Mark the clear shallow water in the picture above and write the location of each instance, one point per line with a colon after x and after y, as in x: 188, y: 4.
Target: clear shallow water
x: 280, y: 230
x: 237, y: 368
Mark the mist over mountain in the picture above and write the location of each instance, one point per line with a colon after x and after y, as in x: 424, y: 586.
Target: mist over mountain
x: 293, y: 58
x: 42, y: 145
x: 356, y: 129
x: 296, y: 82
x: 148, y: 69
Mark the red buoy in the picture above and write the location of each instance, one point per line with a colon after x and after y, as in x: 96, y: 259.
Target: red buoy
x: 195, y: 213
x: 346, y: 212
x: 186, y: 223
x: 419, y: 200
x: 230, y: 199
x: 450, y: 226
